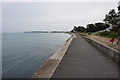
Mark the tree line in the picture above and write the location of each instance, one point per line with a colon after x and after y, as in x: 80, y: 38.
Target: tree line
x: 111, y: 22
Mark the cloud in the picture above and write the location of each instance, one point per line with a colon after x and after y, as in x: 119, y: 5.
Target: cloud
x: 52, y: 16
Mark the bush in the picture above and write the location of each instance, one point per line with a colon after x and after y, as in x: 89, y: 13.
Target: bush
x: 105, y: 33
x: 108, y: 34
x: 113, y: 34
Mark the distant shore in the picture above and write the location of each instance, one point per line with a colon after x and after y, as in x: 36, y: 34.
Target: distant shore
x: 47, y: 32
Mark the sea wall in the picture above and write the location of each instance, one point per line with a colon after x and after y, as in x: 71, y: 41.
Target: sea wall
x: 47, y: 69
x: 111, y: 53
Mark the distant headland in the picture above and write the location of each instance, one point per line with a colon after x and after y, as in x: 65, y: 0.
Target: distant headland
x: 47, y: 32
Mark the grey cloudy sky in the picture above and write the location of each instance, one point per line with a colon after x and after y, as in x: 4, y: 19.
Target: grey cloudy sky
x: 27, y: 16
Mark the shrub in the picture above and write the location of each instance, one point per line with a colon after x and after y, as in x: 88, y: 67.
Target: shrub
x: 105, y: 33
x: 113, y: 34
x: 108, y: 34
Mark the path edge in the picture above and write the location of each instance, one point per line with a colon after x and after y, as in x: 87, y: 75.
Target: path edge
x: 111, y: 53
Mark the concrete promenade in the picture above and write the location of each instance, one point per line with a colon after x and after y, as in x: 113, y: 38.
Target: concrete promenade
x: 82, y: 60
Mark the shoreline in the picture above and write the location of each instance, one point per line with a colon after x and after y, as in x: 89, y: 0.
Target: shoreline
x: 48, y: 68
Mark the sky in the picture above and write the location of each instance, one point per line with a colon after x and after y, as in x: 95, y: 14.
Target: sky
x: 29, y: 16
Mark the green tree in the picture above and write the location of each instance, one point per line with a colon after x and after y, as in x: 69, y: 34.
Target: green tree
x: 101, y: 26
x: 111, y: 19
x: 91, y: 28
x: 80, y: 29
x: 75, y: 28
x: 118, y: 21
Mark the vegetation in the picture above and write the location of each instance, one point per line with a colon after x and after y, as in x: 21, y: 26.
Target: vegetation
x: 91, y: 27
x: 111, y: 23
x: 112, y: 18
x: 78, y: 29
x: 101, y: 26
x: 96, y: 27
x: 108, y: 34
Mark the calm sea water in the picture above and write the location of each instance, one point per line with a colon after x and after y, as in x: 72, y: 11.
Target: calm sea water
x: 24, y: 53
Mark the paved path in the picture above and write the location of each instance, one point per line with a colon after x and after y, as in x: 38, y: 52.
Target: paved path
x: 82, y: 60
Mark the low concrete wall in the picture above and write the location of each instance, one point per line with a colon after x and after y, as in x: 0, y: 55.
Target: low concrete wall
x: 111, y: 53
x: 47, y: 69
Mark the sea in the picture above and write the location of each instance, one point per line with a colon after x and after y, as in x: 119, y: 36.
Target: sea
x: 24, y: 53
